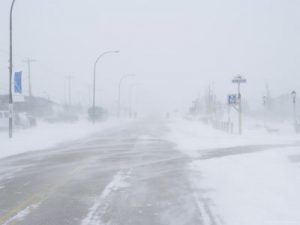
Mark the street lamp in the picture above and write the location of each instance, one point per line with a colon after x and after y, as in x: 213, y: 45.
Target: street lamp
x: 294, y: 95
x: 119, y: 92
x: 10, y: 100
x: 94, y: 80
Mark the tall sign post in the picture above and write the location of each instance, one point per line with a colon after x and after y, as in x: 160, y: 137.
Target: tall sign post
x: 239, y: 80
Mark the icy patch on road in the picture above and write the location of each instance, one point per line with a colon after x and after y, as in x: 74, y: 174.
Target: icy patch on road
x: 99, y: 208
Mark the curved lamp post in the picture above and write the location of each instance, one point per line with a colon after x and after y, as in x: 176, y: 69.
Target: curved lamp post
x: 294, y: 95
x: 94, y: 80
x: 10, y: 100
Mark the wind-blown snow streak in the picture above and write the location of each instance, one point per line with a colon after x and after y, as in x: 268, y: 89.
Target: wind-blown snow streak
x: 21, y: 215
x: 98, y: 209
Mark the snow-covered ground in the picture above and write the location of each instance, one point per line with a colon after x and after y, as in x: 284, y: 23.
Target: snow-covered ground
x: 257, y: 188
x: 194, y: 135
x: 46, y: 135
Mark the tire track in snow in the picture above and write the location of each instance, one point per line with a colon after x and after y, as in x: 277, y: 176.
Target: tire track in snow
x: 99, y: 208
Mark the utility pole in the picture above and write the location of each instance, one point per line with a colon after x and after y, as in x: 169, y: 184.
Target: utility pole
x: 238, y: 80
x: 10, y: 100
x: 28, y: 62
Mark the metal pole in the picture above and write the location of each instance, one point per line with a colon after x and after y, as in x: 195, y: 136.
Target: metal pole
x: 240, y: 109
x: 94, y: 81
x: 264, y: 110
x: 295, y: 119
x: 294, y: 94
x: 10, y: 72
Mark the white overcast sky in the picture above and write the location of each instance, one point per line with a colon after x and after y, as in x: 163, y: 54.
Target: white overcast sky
x: 175, y: 48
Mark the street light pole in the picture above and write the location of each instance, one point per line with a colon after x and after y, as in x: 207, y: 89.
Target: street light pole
x: 294, y: 94
x: 94, y: 80
x: 10, y: 100
x: 119, y: 92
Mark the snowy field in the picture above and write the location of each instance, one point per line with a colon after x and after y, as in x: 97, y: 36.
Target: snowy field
x: 46, y: 135
x: 248, y: 180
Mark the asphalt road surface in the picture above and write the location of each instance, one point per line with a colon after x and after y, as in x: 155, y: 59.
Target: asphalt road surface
x: 129, y: 175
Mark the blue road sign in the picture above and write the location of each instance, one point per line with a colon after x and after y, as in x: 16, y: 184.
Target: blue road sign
x: 18, y: 82
x: 232, y: 99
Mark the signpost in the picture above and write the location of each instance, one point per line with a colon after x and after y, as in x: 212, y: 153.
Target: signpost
x: 239, y: 80
x: 294, y: 95
x: 232, y: 99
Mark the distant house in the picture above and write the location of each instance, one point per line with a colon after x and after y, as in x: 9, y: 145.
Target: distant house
x: 36, y: 106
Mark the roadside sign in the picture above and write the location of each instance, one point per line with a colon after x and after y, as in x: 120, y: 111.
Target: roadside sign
x: 18, y: 82
x: 239, y: 79
x: 232, y: 99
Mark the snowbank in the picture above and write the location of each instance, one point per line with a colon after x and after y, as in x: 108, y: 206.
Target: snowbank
x: 47, y: 135
x: 194, y: 136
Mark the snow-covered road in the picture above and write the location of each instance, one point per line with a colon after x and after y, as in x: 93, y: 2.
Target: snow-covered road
x: 155, y: 172
x: 125, y: 176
